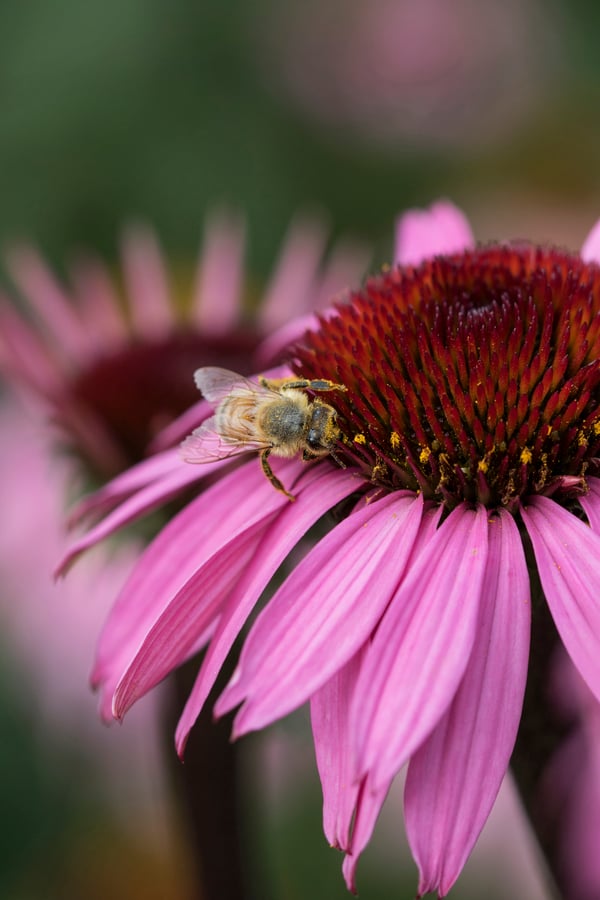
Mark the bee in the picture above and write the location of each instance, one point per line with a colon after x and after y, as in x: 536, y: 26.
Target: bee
x: 272, y: 417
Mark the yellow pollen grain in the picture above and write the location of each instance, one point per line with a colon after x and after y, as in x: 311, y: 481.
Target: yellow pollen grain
x: 483, y: 466
x: 597, y: 428
x: 526, y: 456
x: 581, y: 439
x: 394, y: 440
x: 424, y: 455
x: 360, y: 438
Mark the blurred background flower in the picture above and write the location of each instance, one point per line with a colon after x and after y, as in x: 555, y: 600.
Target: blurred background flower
x: 74, y: 796
x: 391, y: 73
x: 164, y: 112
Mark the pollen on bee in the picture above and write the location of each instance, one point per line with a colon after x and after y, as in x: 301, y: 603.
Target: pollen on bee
x: 526, y: 456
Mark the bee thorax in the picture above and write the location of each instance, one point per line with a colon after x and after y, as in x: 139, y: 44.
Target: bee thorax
x: 283, y: 424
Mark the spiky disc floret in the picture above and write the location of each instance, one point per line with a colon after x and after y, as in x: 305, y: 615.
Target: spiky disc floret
x: 470, y: 377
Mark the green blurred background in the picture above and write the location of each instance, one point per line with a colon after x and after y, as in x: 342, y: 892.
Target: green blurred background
x: 162, y: 111
x: 143, y: 108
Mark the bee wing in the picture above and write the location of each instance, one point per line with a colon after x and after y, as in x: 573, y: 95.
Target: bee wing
x: 216, y: 384
x: 205, y: 444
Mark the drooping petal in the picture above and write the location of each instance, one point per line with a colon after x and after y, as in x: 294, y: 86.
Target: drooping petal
x: 109, y: 495
x: 420, y: 650
x: 454, y: 777
x: 368, y: 807
x: 567, y: 553
x: 329, y: 708
x: 324, y: 611
x: 186, y: 617
x: 421, y: 233
x: 350, y: 807
x: 590, y: 251
x: 205, y: 594
x: 244, y: 498
x: 142, y: 502
x: 316, y: 491
x: 591, y: 503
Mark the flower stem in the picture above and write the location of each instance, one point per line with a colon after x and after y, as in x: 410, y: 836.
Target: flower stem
x: 542, y: 731
x: 207, y: 790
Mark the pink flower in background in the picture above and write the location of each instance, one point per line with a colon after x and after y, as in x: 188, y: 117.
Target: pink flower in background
x: 470, y: 430
x: 49, y: 630
x: 394, y: 73
x: 572, y: 781
x: 113, y: 366
x: 108, y: 359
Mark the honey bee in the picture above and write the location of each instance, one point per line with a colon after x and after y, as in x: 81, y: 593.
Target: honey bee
x: 272, y: 417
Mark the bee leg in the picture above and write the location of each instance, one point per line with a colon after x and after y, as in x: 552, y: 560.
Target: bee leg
x: 289, y: 384
x: 322, y: 384
x: 308, y: 455
x: 339, y: 461
x: 266, y: 467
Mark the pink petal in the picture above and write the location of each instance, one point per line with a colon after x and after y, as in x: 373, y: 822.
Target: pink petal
x: 368, y: 808
x: 316, y: 491
x: 146, y: 284
x: 203, y: 596
x: 590, y: 252
x: 329, y: 718
x: 142, y: 474
x: 422, y: 233
x: 54, y: 308
x: 186, y: 617
x: 454, y: 777
x: 141, y: 503
x: 567, y: 554
x: 420, y: 650
x: 591, y: 503
x: 293, y: 283
x: 274, y: 345
x: 243, y: 499
x: 26, y: 357
x: 323, y: 612
x: 98, y: 301
x: 219, y: 279
x: 344, y: 270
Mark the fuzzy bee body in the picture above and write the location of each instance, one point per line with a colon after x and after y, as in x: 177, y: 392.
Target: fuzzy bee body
x: 271, y: 417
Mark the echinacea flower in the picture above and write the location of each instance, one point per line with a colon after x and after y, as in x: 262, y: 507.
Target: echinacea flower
x: 468, y: 509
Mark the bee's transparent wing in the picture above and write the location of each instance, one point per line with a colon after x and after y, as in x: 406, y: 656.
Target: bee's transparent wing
x: 205, y: 444
x: 216, y: 384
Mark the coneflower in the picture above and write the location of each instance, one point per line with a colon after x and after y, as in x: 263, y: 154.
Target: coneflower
x: 468, y: 510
